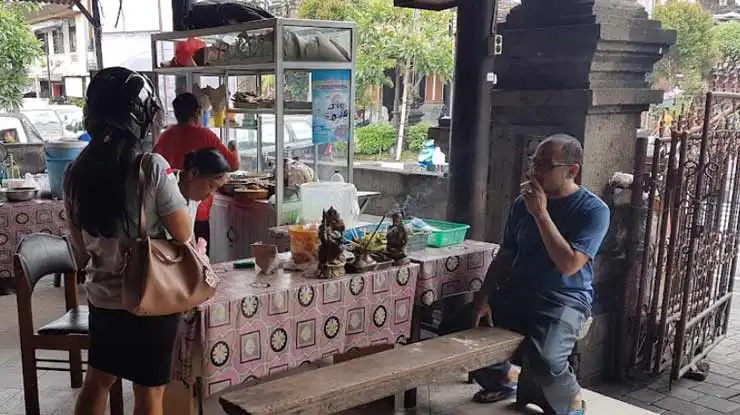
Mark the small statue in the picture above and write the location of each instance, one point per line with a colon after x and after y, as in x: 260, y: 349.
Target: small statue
x: 331, y: 254
x: 397, y: 237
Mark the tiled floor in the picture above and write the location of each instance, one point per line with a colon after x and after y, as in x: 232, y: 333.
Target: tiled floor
x: 450, y: 399
x: 718, y: 394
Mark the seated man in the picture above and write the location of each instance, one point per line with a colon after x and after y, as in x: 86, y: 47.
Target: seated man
x: 540, y: 282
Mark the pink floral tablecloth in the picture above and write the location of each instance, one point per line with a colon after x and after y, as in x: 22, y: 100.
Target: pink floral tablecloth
x: 256, y: 325
x: 452, y: 270
x: 18, y: 219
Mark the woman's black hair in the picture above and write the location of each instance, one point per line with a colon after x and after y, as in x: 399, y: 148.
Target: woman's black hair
x: 207, y: 161
x: 120, y: 107
x: 96, y: 181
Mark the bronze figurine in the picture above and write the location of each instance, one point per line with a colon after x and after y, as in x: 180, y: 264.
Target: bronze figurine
x: 331, y: 253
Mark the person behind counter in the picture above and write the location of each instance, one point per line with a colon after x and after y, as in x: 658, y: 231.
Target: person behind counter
x: 203, y: 172
x: 100, y: 196
x: 188, y: 136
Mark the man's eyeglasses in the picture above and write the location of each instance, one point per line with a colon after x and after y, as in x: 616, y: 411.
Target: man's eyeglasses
x: 545, y: 165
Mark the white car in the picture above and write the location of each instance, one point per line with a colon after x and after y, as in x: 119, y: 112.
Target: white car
x: 47, y: 122
x: 17, y: 129
x: 71, y: 116
x: 297, y: 135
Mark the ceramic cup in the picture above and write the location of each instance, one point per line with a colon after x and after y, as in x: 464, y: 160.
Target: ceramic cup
x: 265, y: 257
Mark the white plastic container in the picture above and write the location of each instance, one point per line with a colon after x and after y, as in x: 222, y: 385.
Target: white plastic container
x: 317, y: 197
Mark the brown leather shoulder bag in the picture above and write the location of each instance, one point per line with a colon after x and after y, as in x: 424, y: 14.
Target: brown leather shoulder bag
x: 163, y: 277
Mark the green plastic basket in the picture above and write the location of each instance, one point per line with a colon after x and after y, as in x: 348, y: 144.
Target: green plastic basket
x: 446, y: 233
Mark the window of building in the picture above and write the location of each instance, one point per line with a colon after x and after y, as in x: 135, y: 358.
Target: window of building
x: 72, y: 37
x: 57, y: 39
x: 42, y: 38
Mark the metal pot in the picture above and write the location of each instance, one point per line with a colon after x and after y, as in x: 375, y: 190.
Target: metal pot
x: 20, y: 194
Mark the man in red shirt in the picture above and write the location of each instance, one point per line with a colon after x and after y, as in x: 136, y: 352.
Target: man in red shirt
x: 188, y: 136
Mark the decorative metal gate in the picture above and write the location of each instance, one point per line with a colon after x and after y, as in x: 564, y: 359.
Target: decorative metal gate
x: 691, y: 237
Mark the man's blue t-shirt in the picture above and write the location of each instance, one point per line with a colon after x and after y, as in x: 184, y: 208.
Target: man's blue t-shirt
x: 583, y: 220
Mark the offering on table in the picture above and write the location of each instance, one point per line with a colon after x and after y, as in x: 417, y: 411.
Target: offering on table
x: 304, y: 243
x: 369, y: 243
x: 331, y: 253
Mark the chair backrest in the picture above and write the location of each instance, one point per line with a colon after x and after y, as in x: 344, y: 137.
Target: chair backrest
x: 42, y: 254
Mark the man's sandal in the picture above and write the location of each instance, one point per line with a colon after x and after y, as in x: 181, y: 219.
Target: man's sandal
x: 581, y: 411
x: 500, y: 393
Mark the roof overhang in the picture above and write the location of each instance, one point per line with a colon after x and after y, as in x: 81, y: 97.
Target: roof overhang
x: 95, y: 22
x: 46, y: 23
x: 426, y: 4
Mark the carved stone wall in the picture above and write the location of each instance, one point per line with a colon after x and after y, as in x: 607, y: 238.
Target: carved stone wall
x: 577, y: 67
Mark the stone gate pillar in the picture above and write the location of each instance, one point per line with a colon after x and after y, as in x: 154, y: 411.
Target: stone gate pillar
x: 577, y: 67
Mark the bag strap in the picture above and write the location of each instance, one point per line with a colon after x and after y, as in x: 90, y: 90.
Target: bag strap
x: 145, y: 170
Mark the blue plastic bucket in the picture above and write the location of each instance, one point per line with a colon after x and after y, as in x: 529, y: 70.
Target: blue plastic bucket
x: 58, y: 155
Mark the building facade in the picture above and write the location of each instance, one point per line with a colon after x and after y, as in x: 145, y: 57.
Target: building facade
x: 67, y: 41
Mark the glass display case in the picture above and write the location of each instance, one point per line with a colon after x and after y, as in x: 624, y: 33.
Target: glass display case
x: 307, y: 116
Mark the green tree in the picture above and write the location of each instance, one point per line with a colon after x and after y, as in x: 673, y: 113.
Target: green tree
x: 695, y: 52
x: 417, y: 42
x: 18, y: 50
x: 371, y: 60
x: 727, y: 38
x: 324, y: 9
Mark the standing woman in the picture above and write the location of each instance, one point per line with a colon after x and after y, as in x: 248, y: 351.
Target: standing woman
x: 101, y: 192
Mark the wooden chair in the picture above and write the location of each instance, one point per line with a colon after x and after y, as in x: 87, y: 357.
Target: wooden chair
x: 39, y: 255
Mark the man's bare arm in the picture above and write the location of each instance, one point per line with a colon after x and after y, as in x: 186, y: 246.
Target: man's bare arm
x: 499, y: 269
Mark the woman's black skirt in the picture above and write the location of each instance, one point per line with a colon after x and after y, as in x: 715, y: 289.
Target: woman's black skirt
x: 135, y: 348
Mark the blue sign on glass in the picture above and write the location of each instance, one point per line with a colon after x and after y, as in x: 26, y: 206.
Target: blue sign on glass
x: 330, y: 95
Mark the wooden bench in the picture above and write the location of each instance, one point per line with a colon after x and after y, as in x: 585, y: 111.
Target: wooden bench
x: 363, y: 380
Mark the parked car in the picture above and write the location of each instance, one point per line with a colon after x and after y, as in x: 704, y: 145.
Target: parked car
x: 23, y: 141
x: 16, y: 128
x: 71, y: 116
x: 47, y: 122
x: 297, y: 133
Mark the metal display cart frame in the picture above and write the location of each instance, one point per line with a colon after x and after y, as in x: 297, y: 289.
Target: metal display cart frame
x: 278, y: 68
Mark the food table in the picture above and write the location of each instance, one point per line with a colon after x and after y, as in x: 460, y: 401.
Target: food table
x: 447, y: 272
x: 18, y: 219
x: 279, y: 236
x: 452, y: 270
x: 256, y: 325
